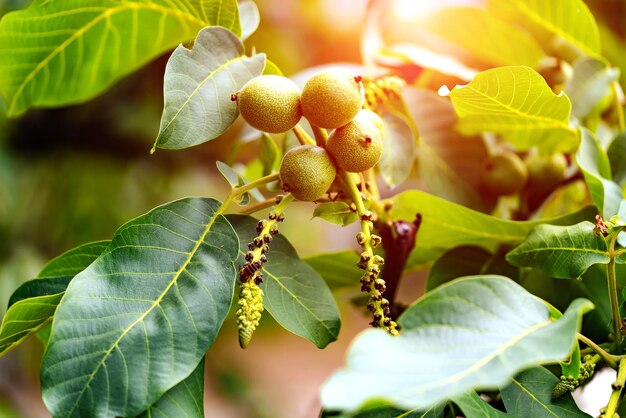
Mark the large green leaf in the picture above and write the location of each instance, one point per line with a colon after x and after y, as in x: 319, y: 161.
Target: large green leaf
x: 338, y: 269
x: 590, y: 86
x: 564, y: 27
x: 473, y: 406
x: 464, y: 335
x: 564, y: 252
x: 33, y: 304
x: 67, y: 51
x: 295, y: 294
x: 446, y: 225
x: 199, y: 83
x: 596, y: 168
x: 138, y: 320
x: 185, y: 400
x: 515, y: 102
x: 530, y: 395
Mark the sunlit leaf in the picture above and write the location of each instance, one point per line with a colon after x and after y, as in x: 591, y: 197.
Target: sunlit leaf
x: 564, y: 252
x: 565, y: 27
x: 198, y: 86
x: 140, y: 318
x: 338, y: 213
x: 445, y: 225
x: 295, y: 294
x: 67, y: 51
x: 590, y: 85
x: 474, y: 407
x: 596, y: 168
x: 380, y: 410
x: 530, y: 395
x: 338, y: 269
x: 505, y: 101
x: 32, y: 305
x: 483, y: 331
x: 249, y: 17
x: 183, y: 400
x: 398, y: 154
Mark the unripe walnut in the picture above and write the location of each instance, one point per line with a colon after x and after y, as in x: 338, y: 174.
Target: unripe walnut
x: 307, y: 172
x: 358, y: 145
x: 505, y: 173
x: 332, y: 97
x: 270, y: 103
x: 545, y: 172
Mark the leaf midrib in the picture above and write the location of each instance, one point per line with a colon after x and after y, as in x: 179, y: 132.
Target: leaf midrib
x: 533, y: 397
x: 156, y: 303
x: 82, y: 30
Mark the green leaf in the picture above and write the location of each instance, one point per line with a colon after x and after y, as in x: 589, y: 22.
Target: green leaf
x: 488, y: 39
x: 295, y: 295
x: 617, y: 158
x: 482, y: 341
x: 473, y: 406
x: 446, y: 225
x: 62, y: 52
x: 338, y: 213
x: 596, y: 168
x: 198, y: 86
x: 249, y: 17
x: 564, y: 252
x: 449, y: 164
x: 268, y: 154
x: 530, y: 395
x: 566, y: 27
x: 338, y: 269
x: 235, y: 180
x: 506, y: 100
x: 183, y: 400
x: 381, y: 410
x: 33, y: 304
x: 138, y: 320
x: 590, y: 86
x: 398, y: 154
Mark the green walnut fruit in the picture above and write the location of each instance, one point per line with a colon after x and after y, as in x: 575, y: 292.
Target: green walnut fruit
x: 307, y: 172
x: 545, y: 172
x: 332, y: 97
x: 270, y: 103
x: 505, y: 173
x: 358, y: 145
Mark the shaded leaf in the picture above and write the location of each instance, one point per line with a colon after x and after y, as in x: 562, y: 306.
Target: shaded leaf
x: 199, y: 83
x: 398, y: 154
x: 183, y: 400
x: 446, y: 225
x: 530, y: 395
x: 33, y: 304
x: 564, y: 252
x: 591, y: 83
x: 482, y: 331
x: 566, y: 28
x: 338, y: 213
x: 617, y: 158
x: 268, y: 154
x: 62, y: 52
x: 338, y: 269
x: 295, y: 295
x: 504, y: 101
x: 380, y: 410
x: 139, y: 319
x: 595, y: 166
x: 474, y: 407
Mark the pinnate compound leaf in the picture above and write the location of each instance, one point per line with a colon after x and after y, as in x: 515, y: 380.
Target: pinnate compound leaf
x: 565, y: 27
x: 140, y: 318
x: 596, y: 168
x: 480, y: 343
x: 183, y: 400
x: 198, y: 86
x: 530, y: 395
x: 338, y: 268
x: 62, y: 52
x: 33, y: 304
x: 445, y: 225
x: 517, y: 103
x: 564, y: 252
x: 473, y: 406
x: 295, y: 294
